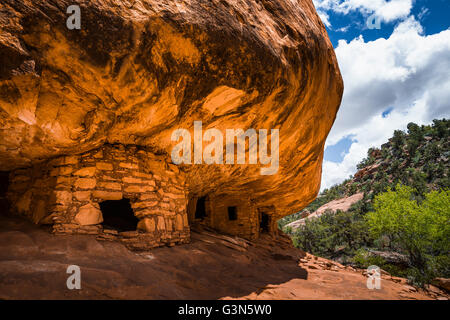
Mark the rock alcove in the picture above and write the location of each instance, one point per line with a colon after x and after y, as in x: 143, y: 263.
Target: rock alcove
x: 87, y: 115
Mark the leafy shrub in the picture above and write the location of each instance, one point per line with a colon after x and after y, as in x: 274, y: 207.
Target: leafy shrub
x: 363, y: 259
x: 332, y: 235
x: 421, y: 230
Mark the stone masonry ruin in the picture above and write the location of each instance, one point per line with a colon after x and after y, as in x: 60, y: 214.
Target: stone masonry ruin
x: 68, y: 192
x: 101, y: 192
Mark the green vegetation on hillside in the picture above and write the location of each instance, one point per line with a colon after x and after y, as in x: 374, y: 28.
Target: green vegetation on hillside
x: 418, y: 228
x: 402, y: 223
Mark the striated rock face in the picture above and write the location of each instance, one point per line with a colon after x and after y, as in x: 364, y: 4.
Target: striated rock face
x: 138, y: 70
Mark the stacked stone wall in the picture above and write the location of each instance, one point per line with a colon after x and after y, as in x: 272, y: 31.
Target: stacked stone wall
x: 245, y: 225
x: 66, y: 192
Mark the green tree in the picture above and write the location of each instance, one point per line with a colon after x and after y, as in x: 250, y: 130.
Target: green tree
x: 421, y: 230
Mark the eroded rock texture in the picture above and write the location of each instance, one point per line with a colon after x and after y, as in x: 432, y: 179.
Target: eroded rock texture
x: 137, y: 70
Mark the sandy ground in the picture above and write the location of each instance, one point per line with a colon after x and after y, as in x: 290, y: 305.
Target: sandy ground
x: 33, y: 265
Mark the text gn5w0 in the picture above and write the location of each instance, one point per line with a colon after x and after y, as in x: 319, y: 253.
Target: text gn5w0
x: 247, y: 309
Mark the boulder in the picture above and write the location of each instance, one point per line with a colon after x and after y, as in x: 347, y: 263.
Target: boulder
x: 442, y: 283
x: 89, y: 214
x: 391, y: 257
x: 147, y: 225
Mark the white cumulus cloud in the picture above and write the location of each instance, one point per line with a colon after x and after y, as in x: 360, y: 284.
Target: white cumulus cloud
x: 408, y: 72
x: 387, y: 11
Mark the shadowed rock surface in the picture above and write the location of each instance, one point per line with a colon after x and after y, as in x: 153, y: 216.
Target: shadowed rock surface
x: 33, y: 265
x: 138, y: 70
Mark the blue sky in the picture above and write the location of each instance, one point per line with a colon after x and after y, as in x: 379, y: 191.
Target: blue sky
x: 336, y: 152
x: 434, y: 16
x: 393, y: 75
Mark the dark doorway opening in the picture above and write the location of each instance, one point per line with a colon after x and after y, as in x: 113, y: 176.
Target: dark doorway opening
x: 232, y: 213
x: 264, y: 223
x: 118, y: 215
x: 4, y: 184
x: 200, y: 208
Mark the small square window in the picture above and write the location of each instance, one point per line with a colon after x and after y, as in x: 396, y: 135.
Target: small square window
x: 232, y: 213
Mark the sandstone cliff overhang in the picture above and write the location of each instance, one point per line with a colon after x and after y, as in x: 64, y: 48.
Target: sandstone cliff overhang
x: 138, y: 70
